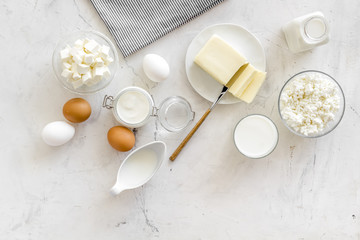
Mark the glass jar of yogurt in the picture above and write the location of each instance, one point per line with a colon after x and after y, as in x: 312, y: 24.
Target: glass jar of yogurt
x: 133, y: 107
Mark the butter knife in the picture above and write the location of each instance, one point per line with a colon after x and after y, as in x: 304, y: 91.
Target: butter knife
x: 197, y: 125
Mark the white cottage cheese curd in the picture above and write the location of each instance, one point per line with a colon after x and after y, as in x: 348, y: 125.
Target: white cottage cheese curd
x: 309, y: 102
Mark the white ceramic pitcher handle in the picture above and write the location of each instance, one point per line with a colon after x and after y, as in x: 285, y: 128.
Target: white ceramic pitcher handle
x: 116, y: 189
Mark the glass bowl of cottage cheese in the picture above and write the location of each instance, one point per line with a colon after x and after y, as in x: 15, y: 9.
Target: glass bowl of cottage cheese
x: 311, y: 104
x: 85, y: 62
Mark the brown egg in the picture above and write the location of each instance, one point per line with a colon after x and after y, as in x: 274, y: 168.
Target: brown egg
x: 77, y: 110
x: 121, y: 138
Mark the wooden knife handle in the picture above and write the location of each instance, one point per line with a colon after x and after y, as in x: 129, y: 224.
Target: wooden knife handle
x: 190, y: 134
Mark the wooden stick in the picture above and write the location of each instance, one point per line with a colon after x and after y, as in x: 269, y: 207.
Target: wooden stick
x: 190, y: 134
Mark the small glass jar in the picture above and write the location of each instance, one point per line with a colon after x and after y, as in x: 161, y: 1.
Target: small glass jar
x: 175, y: 113
x: 133, y: 107
x: 306, y: 32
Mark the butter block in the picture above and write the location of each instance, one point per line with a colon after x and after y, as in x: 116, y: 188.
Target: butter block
x: 254, y: 87
x: 241, y: 80
x: 236, y: 75
x: 219, y: 59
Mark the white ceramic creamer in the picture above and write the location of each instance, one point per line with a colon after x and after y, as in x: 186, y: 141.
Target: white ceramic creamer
x: 139, y: 167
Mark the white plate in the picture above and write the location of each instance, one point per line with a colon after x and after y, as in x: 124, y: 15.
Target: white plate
x: 240, y: 39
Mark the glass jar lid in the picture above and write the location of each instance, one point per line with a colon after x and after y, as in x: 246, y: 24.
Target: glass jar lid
x: 175, y: 113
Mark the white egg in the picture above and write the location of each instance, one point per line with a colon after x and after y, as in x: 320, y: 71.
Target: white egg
x: 57, y: 133
x: 155, y: 67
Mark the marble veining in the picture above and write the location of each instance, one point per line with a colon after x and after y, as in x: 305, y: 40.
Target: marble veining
x: 306, y: 189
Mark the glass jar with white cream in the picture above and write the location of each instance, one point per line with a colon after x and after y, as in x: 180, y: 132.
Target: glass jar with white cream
x: 133, y: 107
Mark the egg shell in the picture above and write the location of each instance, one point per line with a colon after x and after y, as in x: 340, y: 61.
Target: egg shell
x: 155, y: 67
x: 57, y: 133
x: 77, y: 110
x: 121, y: 138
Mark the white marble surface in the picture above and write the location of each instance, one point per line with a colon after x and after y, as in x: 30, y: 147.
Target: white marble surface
x: 306, y: 189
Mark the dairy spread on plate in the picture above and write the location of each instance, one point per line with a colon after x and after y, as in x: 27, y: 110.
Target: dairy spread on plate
x: 309, y: 102
x: 253, y: 88
x: 230, y: 68
x: 219, y: 59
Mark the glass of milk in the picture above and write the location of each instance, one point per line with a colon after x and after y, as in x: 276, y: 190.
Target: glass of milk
x: 256, y: 136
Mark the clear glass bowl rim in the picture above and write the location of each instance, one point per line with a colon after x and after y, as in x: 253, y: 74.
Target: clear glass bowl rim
x: 326, y: 132
x: 187, y: 105
x: 83, y: 32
